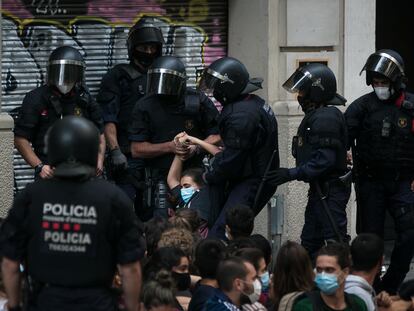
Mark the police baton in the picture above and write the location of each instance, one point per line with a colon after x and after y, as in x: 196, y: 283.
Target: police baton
x: 260, y: 189
x: 328, y: 212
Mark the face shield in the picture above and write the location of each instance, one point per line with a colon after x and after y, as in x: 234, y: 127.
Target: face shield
x: 298, y: 81
x: 210, y: 79
x: 163, y: 81
x: 384, y: 64
x: 64, y: 74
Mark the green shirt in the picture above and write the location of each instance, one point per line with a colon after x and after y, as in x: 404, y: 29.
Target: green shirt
x: 306, y: 305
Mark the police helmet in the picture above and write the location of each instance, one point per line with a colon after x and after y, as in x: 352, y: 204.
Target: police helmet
x: 166, y: 76
x: 316, y: 83
x: 144, y: 31
x: 72, y: 145
x: 388, y: 64
x: 227, y: 78
x: 65, y: 68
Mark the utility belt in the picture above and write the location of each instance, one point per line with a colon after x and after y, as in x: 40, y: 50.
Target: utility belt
x: 337, y: 180
x: 156, y: 193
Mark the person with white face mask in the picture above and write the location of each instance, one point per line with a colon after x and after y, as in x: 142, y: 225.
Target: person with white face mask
x: 63, y: 94
x: 381, y: 135
x: 236, y: 278
x: 331, y: 269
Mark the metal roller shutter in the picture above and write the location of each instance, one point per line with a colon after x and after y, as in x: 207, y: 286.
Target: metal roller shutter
x: 194, y: 30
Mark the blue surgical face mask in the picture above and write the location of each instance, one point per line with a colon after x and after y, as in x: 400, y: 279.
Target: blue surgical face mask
x: 327, y: 283
x: 265, y: 279
x: 187, y: 193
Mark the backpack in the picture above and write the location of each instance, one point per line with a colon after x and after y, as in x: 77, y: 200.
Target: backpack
x: 288, y: 300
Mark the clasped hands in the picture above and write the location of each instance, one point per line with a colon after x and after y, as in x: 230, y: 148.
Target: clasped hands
x: 185, y: 146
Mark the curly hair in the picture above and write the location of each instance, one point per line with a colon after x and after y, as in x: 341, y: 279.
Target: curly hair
x: 178, y: 237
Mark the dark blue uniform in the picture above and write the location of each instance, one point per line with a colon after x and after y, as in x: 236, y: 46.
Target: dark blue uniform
x: 383, y: 132
x: 71, y: 241
x: 120, y: 89
x: 320, y: 152
x: 248, y: 128
x: 43, y: 106
x: 158, y: 119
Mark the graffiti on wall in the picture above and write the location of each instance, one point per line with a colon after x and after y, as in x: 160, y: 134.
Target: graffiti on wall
x: 33, y: 28
x: 194, y: 30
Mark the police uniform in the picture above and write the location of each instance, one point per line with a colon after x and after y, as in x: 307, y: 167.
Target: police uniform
x: 43, y: 106
x: 157, y: 119
x: 248, y: 128
x: 71, y: 231
x: 384, y: 163
x: 121, y: 88
x: 320, y: 152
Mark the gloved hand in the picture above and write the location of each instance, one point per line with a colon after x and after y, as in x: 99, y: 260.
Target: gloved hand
x: 118, y: 160
x: 278, y: 176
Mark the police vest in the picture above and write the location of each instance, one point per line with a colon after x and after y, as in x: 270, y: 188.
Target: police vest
x: 73, y: 229
x: 323, y: 127
x: 386, y: 138
x: 56, y: 107
x: 132, y: 86
x: 250, y: 124
x: 168, y: 119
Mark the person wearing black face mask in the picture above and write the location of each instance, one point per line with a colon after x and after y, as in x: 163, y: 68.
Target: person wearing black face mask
x: 121, y: 88
x: 320, y: 151
x: 64, y: 94
x: 381, y: 136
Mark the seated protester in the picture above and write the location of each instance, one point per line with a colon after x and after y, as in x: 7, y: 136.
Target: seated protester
x: 188, y: 219
x: 263, y: 244
x: 188, y: 188
x: 332, y: 267
x: 175, y: 261
x: 153, y: 230
x: 208, y: 254
x: 239, y: 222
x: 179, y: 238
x: 235, y: 277
x: 292, y: 274
x: 367, y: 252
x: 256, y: 258
x: 158, y: 293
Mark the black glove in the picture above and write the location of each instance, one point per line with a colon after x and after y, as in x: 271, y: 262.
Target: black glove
x: 118, y: 160
x: 278, y: 176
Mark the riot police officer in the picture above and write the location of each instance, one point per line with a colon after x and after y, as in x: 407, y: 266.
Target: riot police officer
x: 248, y: 129
x: 71, y: 231
x: 381, y: 132
x: 320, y: 152
x: 168, y: 108
x: 64, y: 94
x: 120, y: 89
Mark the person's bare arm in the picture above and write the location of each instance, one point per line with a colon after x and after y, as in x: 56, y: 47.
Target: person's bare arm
x: 12, y: 281
x: 174, y: 174
x: 131, y: 284
x: 101, y: 155
x: 25, y: 149
x: 210, y: 148
x: 214, y: 139
x: 149, y: 150
x: 111, y: 135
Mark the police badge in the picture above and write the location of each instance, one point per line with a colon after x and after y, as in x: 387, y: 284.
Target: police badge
x: 189, y: 124
x: 78, y: 112
x: 402, y: 122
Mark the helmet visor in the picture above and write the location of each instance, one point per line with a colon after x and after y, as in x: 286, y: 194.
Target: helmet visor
x: 298, y: 81
x: 65, y: 72
x: 211, y: 79
x: 165, y: 82
x: 384, y: 64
